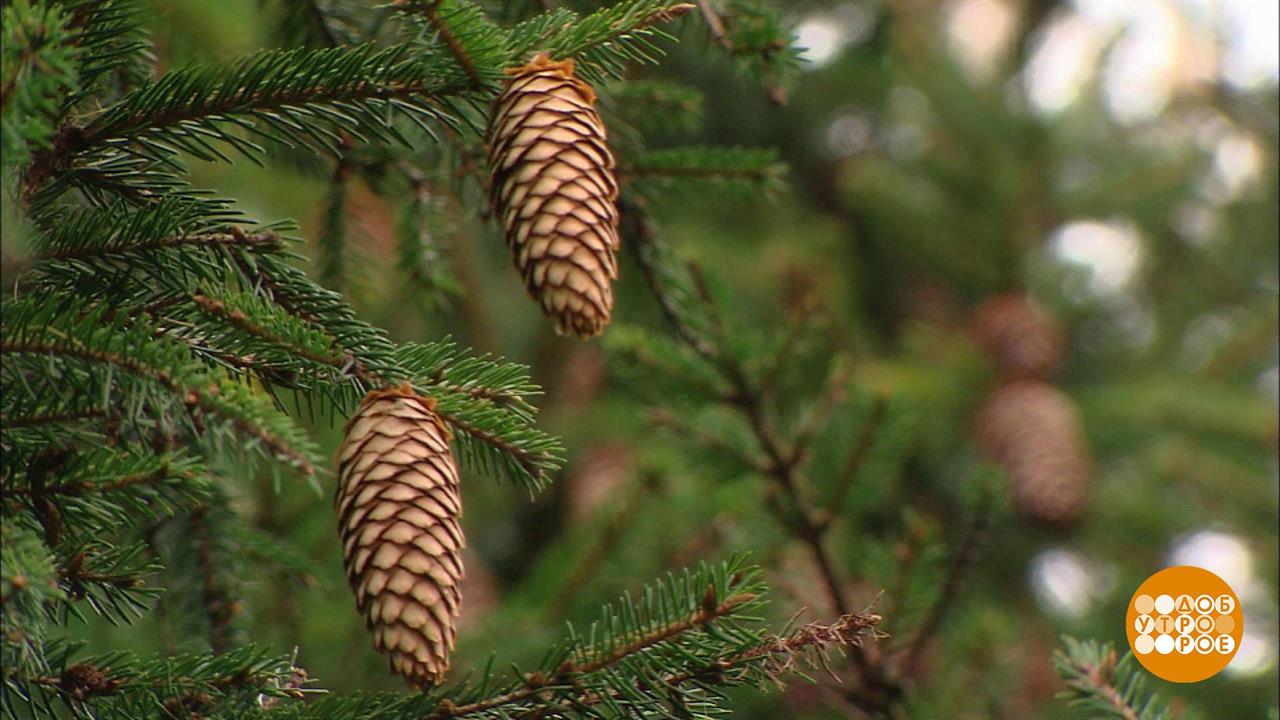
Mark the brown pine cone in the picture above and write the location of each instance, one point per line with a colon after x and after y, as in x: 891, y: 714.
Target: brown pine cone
x: 1033, y: 431
x: 552, y: 186
x: 398, y: 508
x: 1022, y: 340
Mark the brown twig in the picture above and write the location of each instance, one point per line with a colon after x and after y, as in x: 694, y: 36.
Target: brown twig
x: 239, y: 320
x: 715, y: 24
x: 781, y: 464
x: 11, y: 422
x: 966, y: 553
x: 431, y: 10
x: 535, y: 685
x: 218, y: 606
x: 72, y: 140
x: 1099, y: 679
x: 196, y: 400
x: 603, y: 545
x: 867, y: 436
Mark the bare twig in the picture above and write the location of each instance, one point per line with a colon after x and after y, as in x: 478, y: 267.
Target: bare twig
x: 218, y: 606
x: 781, y: 464
x: 431, y: 10
x: 715, y: 24
x: 536, y: 684
x: 603, y: 546
x: 866, y: 440
x: 962, y: 560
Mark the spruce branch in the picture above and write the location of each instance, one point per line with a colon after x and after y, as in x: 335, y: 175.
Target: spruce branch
x: 36, y: 40
x: 432, y: 11
x: 34, y: 332
x: 686, y: 301
x: 112, y: 580
x: 655, y: 105
x: 37, y: 68
x: 741, y: 169
x: 267, y: 241
x: 1097, y: 683
x: 245, y: 313
x: 218, y: 605
x: 867, y: 436
x: 615, y: 528
x: 963, y: 557
x: 755, y: 38
x: 113, y: 54
x: 298, y: 98
x: 120, y: 685
x: 14, y: 422
x: 602, y: 41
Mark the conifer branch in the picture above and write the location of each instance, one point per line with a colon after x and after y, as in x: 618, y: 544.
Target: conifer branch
x: 295, y: 97
x: 13, y: 422
x: 430, y: 9
x: 196, y: 399
x: 781, y: 463
x: 867, y: 436
x: 756, y: 39
x: 266, y: 241
x: 744, y: 169
x: 962, y: 560
x: 241, y: 320
x: 1096, y: 682
x: 605, y: 542
x: 217, y: 605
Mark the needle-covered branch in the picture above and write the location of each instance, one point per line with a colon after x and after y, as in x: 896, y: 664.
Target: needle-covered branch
x: 1101, y: 685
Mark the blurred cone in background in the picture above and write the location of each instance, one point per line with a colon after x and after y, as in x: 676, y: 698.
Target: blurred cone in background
x: 580, y: 374
x: 596, y: 476
x: 1022, y: 340
x: 479, y: 588
x: 1033, y: 431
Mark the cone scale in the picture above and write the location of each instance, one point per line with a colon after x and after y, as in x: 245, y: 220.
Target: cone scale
x: 553, y: 189
x: 398, y: 509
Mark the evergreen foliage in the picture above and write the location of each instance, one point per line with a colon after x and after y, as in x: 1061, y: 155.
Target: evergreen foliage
x: 1104, y: 687
x: 158, y: 340
x: 174, y: 369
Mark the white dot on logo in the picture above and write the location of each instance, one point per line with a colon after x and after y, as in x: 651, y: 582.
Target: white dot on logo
x: 1164, y: 643
x: 1225, y: 604
x: 1164, y: 604
x: 1143, y: 644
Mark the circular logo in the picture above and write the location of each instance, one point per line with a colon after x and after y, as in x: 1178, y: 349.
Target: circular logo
x: 1184, y: 624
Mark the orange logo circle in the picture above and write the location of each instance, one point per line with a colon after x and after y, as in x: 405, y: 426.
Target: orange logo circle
x: 1184, y: 624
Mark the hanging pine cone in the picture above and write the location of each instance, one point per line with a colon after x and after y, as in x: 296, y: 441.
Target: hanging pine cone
x: 1032, y: 430
x: 552, y: 186
x: 1022, y: 340
x: 398, y: 509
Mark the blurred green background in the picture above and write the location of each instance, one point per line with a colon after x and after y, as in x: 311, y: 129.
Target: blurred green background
x: 1117, y: 160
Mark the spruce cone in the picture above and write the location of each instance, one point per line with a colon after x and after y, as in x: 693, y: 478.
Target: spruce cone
x: 552, y: 187
x: 1032, y: 430
x: 1021, y: 339
x: 398, y: 509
